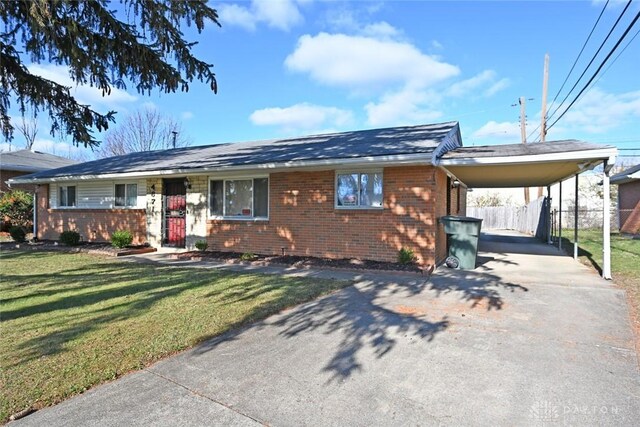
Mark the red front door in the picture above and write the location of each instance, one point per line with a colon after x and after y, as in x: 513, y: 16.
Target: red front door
x: 175, y: 211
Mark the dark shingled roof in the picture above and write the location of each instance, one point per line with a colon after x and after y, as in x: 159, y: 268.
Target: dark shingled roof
x: 31, y: 161
x: 507, y: 150
x: 625, y: 176
x: 344, y: 145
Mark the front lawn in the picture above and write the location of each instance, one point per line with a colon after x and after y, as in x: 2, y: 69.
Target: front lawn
x: 71, y: 321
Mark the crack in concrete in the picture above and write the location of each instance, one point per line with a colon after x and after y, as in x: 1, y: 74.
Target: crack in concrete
x: 231, y: 408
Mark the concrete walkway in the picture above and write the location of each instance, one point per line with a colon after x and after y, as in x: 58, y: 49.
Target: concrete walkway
x: 528, y: 338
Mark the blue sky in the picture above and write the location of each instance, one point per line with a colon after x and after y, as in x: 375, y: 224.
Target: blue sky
x: 288, y: 67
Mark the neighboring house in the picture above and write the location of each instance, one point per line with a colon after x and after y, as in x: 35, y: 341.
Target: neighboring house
x: 363, y: 194
x: 628, y: 182
x: 23, y: 162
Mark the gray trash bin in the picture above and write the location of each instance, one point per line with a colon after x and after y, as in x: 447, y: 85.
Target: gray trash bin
x: 463, y: 233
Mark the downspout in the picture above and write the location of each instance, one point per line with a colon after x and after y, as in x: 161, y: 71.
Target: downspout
x: 35, y: 212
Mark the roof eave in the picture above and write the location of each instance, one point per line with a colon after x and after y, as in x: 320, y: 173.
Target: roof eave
x: 360, y: 162
x: 608, y: 154
x: 22, y: 168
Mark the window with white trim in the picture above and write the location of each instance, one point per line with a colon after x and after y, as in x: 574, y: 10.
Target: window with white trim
x: 126, y: 195
x: 239, y: 198
x: 67, y: 196
x: 359, y: 190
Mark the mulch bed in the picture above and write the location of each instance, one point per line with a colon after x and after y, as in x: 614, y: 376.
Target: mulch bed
x: 102, y: 248
x: 300, y: 261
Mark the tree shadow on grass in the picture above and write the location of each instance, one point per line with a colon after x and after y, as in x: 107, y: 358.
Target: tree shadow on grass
x: 119, y: 291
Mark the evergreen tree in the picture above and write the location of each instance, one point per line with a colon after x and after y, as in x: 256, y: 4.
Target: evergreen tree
x: 141, y: 43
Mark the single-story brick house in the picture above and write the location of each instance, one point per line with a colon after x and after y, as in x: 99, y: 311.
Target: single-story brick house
x: 628, y: 182
x: 363, y: 194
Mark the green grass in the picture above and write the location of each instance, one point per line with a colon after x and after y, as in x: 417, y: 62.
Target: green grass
x: 625, y: 258
x: 71, y: 321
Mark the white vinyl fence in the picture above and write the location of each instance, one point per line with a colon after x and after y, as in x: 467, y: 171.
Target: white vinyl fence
x: 528, y: 219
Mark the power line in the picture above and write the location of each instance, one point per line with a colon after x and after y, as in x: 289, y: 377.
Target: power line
x: 599, y: 68
x: 616, y: 58
x: 579, y: 54
x: 591, y: 62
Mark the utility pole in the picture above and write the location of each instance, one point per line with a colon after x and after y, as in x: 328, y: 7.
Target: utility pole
x: 174, y: 137
x: 523, y: 135
x: 543, y: 125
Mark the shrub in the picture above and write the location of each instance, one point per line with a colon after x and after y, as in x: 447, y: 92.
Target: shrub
x: 121, y: 238
x: 17, y: 207
x: 70, y: 238
x: 202, y: 245
x: 247, y: 256
x: 406, y: 256
x: 17, y: 233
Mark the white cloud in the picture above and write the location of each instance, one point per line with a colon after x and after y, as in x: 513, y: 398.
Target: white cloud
x: 497, y: 87
x: 85, y: 94
x: 358, y: 62
x: 279, y: 14
x: 232, y: 14
x: 475, y: 83
x: 436, y: 45
x: 464, y: 87
x: 381, y: 30
x: 186, y: 115
x: 599, y: 111
x: 499, y: 130
x: 404, y: 107
x: 302, y: 116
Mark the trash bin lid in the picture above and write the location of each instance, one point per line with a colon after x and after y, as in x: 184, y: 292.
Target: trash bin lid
x: 460, y: 218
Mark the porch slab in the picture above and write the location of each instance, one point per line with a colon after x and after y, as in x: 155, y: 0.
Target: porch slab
x: 530, y: 337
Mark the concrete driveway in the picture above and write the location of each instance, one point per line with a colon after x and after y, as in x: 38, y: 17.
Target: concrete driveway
x: 528, y: 338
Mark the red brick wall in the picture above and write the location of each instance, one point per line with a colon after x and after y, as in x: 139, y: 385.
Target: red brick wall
x: 6, y: 175
x: 94, y: 225
x: 629, y: 207
x: 303, y: 219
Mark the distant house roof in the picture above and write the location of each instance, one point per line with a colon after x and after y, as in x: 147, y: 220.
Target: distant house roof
x: 31, y: 161
x: 424, y: 141
x: 627, y: 175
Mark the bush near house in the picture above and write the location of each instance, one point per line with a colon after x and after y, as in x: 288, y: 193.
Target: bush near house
x: 16, y: 207
x: 17, y: 233
x: 70, y: 238
x: 406, y: 256
x: 121, y: 238
x: 202, y: 245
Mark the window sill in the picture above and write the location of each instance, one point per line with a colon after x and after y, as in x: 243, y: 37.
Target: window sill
x: 236, y: 218
x: 359, y: 208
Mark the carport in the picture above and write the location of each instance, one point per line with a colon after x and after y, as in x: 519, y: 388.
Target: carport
x: 536, y: 165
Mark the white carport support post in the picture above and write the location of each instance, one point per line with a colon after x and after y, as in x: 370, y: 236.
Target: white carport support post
x: 560, y: 218
x: 606, y: 226
x: 549, y: 219
x: 575, y: 223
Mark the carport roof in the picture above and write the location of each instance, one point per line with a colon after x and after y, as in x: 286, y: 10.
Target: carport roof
x: 524, y: 165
